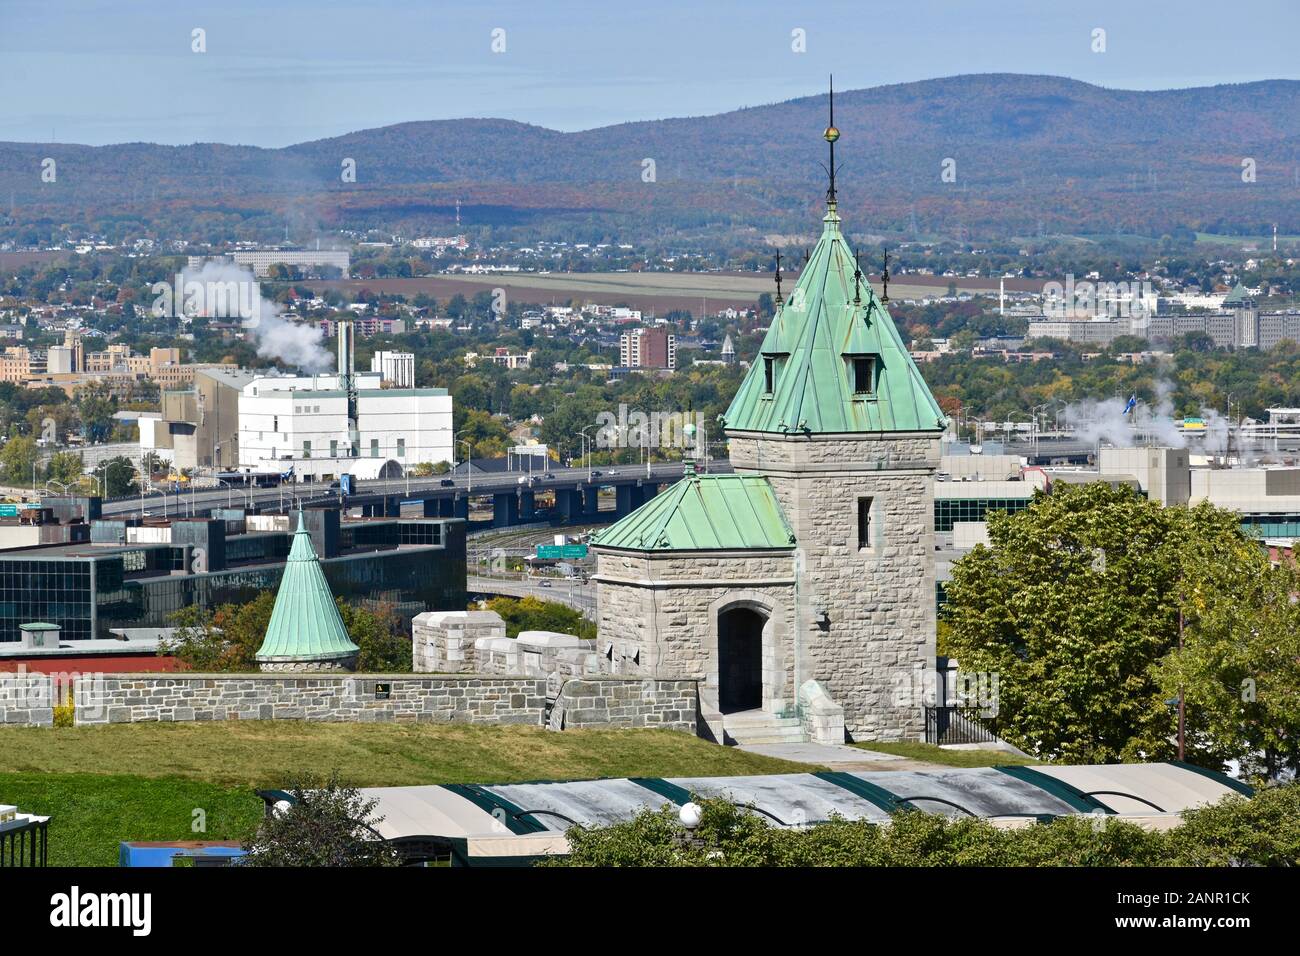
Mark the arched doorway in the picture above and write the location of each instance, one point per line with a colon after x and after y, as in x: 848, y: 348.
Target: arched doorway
x: 740, y: 660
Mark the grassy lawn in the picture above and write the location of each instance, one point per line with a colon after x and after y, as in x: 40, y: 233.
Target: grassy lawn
x: 144, y: 781
x: 92, y: 812
x: 914, y: 750
x: 264, y: 753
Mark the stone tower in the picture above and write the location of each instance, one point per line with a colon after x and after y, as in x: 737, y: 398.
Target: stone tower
x: 837, y: 417
x: 809, y: 572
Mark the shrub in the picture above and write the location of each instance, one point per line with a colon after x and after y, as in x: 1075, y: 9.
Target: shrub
x: 1264, y: 831
x: 328, y: 824
x: 65, y: 712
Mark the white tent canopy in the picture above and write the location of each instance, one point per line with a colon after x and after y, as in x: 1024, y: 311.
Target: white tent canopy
x: 509, y: 823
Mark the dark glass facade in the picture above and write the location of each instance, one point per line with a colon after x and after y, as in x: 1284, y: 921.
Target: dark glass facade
x: 950, y: 511
x: 88, y: 594
x: 56, y: 592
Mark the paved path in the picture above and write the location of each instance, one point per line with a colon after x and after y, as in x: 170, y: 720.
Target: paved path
x: 838, y: 757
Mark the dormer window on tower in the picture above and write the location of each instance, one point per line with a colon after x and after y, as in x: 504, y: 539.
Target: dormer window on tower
x: 769, y: 372
x: 862, y: 373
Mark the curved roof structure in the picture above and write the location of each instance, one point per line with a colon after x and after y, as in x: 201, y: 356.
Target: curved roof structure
x: 365, y: 469
x: 704, y: 513
x: 832, y: 317
x: 516, y: 823
x: 305, y: 624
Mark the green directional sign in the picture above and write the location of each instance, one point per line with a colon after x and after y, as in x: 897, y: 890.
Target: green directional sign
x: 555, y: 552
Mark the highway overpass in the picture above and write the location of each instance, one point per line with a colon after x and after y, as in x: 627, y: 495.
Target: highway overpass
x: 513, y: 494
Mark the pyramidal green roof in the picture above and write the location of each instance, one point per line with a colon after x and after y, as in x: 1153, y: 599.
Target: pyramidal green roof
x: 704, y: 513
x: 305, y: 624
x: 811, y: 343
x: 1237, y: 296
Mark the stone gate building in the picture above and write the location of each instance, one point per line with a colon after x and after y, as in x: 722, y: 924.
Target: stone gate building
x: 809, y: 573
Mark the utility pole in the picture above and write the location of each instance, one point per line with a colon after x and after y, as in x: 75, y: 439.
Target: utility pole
x: 1182, y: 711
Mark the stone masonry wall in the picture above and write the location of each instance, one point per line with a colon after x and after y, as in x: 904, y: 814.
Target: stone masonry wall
x: 442, y: 642
x: 27, y: 699
x: 610, y: 702
x: 134, y: 698
x: 658, y: 614
x: 879, y: 601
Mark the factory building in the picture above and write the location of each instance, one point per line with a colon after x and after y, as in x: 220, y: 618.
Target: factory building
x: 324, y: 426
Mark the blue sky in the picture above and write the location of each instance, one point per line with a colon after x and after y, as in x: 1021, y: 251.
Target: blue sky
x: 283, y: 71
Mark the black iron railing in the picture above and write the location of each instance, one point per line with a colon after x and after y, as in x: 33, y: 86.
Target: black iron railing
x: 956, y: 725
x: 25, y: 844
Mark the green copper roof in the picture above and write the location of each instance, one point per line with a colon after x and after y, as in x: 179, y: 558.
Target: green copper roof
x: 704, y: 513
x: 812, y: 340
x: 1237, y: 296
x: 305, y: 624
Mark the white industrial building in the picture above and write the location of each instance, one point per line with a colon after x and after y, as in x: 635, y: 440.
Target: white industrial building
x: 398, y: 368
x: 324, y: 426
x: 261, y: 260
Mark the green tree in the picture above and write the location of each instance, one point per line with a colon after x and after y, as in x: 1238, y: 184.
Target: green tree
x: 325, y: 824
x: 96, y: 407
x: 226, y: 638
x: 488, y: 437
x: 116, y: 477
x: 222, y: 639
x: 534, y: 614
x: 378, y: 633
x: 16, y: 460
x: 1239, y: 665
x: 1073, y: 605
x: 65, y: 467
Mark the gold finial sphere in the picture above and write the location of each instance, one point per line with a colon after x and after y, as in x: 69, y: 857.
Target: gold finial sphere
x: 831, y: 134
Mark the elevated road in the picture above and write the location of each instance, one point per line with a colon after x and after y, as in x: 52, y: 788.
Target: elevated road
x: 581, y: 597
x: 389, y: 493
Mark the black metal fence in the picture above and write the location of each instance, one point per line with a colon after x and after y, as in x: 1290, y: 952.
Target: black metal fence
x: 25, y: 844
x: 956, y: 725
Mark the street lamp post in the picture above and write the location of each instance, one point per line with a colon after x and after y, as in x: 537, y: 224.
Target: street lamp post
x: 469, y: 470
x: 587, y: 447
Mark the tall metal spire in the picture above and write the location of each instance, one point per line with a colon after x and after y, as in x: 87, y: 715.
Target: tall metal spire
x: 884, y: 278
x: 831, y: 135
x: 779, y: 300
x: 857, y: 278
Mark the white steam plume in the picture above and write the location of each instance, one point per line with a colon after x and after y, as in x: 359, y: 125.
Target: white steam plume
x: 230, y: 291
x: 1105, y: 421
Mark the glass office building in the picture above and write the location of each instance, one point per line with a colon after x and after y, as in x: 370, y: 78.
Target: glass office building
x: 89, y: 589
x: 950, y: 511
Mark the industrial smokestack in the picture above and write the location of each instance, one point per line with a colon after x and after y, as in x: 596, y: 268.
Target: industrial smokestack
x: 347, y: 360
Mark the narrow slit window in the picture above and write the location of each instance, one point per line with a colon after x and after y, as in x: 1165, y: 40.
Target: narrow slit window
x: 864, y: 523
x: 769, y: 373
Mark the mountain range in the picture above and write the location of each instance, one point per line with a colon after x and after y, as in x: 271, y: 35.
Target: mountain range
x: 1029, y: 154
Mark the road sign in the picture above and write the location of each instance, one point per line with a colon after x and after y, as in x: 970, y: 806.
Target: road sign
x: 554, y: 552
